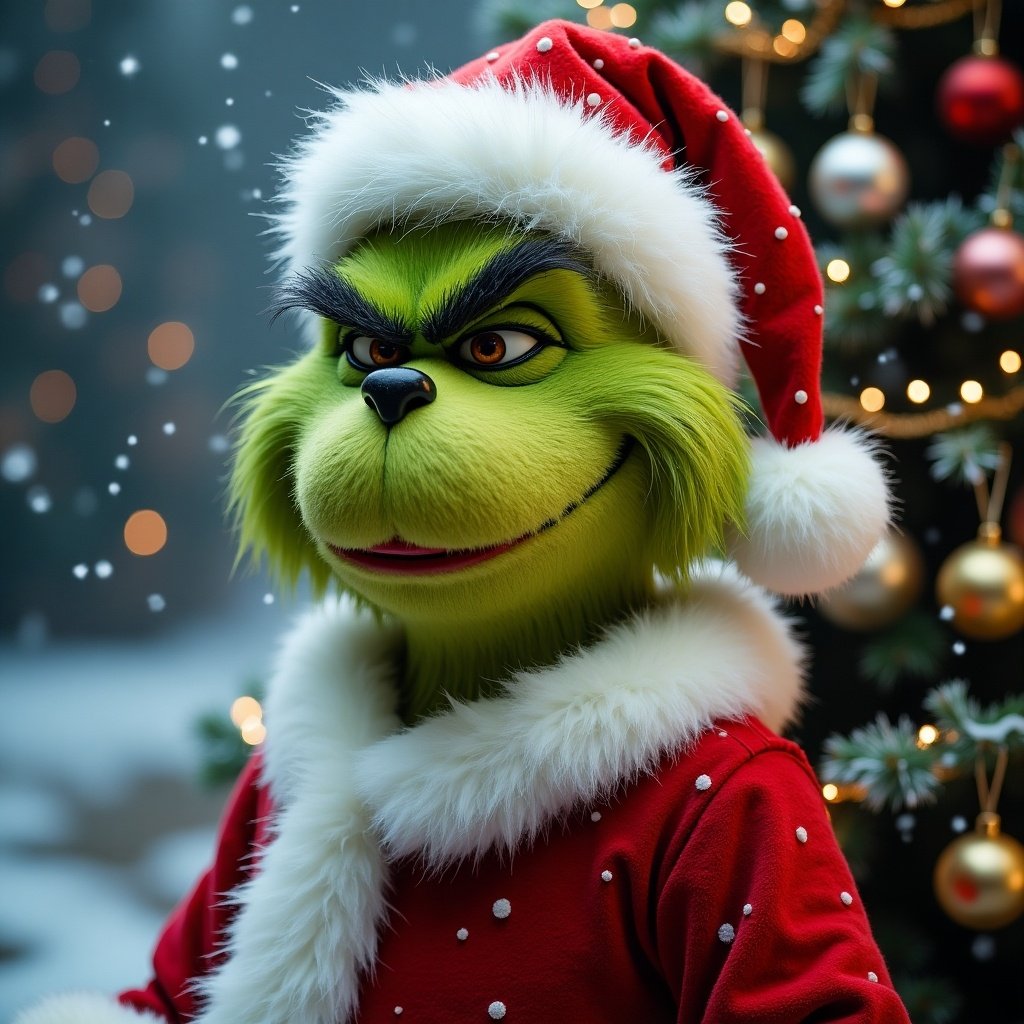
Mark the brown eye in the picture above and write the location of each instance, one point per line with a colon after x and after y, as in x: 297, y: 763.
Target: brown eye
x: 498, y: 348
x: 374, y: 354
x: 487, y: 348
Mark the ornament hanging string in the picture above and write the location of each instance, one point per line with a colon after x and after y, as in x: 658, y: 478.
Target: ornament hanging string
x: 754, y: 74
x: 1001, y: 215
x: 990, y: 504
x: 989, y: 792
x: 861, y: 90
x: 986, y: 27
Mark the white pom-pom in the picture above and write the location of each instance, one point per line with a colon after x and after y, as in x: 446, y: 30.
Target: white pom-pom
x: 814, y: 512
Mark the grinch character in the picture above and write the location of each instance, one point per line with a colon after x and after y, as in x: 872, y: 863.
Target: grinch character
x: 527, y: 767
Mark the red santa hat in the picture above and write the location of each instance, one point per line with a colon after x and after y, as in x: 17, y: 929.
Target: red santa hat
x: 609, y: 144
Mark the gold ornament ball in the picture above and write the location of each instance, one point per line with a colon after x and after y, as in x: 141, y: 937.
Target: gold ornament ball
x: 777, y: 156
x: 859, y: 179
x: 983, y: 582
x: 979, y: 878
x: 884, y: 589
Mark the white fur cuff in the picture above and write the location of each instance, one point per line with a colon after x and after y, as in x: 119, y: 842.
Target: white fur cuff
x: 814, y: 512
x: 82, y: 1008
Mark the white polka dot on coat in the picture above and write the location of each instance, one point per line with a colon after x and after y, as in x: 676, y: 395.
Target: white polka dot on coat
x: 544, y: 44
x: 497, y: 1010
x: 702, y: 783
x: 501, y: 909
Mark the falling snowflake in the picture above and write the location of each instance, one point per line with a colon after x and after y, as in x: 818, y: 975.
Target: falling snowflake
x: 242, y: 15
x: 228, y: 61
x: 227, y: 136
x: 156, y: 602
x: 80, y: 571
x: 72, y: 266
x: 39, y: 500
x: 122, y: 462
x: 18, y: 463
x: 73, y: 315
x: 169, y: 428
x: 48, y: 293
x: 103, y: 569
x: 129, y: 66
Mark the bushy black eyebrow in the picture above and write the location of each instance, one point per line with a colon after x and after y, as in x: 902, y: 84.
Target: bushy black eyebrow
x: 320, y: 290
x: 496, y: 280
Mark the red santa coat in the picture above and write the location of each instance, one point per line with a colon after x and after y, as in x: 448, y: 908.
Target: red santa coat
x: 614, y: 839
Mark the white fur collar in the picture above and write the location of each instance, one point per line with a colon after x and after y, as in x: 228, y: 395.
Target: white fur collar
x: 350, y: 783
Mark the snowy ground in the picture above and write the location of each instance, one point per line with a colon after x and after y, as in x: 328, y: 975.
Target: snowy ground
x: 102, y: 824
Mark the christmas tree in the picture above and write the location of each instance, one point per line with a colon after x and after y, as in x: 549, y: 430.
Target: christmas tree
x: 900, y: 141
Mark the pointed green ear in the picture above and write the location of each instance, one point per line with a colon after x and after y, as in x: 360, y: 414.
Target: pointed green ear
x: 261, y: 489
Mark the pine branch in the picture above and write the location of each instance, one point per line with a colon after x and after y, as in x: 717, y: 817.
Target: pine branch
x: 885, y: 758
x: 964, y: 456
x: 860, y: 47
x: 913, y: 277
x: 913, y: 648
x: 930, y: 1000
x: 688, y: 34
x: 855, y: 319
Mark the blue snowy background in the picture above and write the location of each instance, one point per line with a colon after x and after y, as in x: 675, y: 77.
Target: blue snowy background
x: 108, y: 658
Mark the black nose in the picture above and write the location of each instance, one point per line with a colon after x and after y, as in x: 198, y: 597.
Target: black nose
x: 394, y: 392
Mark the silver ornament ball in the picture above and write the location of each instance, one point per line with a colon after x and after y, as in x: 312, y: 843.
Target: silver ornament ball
x: 859, y: 179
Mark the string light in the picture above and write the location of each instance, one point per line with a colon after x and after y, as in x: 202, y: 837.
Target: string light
x: 918, y: 391
x: 872, y: 399
x: 837, y: 271
x: 894, y: 3
x: 785, y: 47
x: 145, y: 532
x: 971, y: 391
x: 794, y: 30
x: 588, y: 5
x: 1010, y: 361
x: 599, y: 17
x: 738, y: 13
x: 830, y: 791
x: 927, y: 735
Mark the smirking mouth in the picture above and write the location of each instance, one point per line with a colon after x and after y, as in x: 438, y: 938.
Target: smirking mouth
x: 399, y: 557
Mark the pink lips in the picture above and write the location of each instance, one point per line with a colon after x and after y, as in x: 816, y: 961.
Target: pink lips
x: 401, y: 558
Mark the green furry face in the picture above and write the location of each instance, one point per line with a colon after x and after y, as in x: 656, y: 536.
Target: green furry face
x: 564, y: 442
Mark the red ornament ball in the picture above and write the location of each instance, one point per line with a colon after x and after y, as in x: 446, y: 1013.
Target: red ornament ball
x: 988, y: 273
x: 981, y: 99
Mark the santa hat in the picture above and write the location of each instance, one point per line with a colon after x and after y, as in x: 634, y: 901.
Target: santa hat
x: 609, y: 144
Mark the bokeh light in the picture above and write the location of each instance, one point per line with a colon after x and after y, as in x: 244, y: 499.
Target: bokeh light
x: 244, y: 708
x: 588, y: 5
x: 52, y: 396
x: 111, y: 194
x: 971, y: 391
x: 1009, y: 361
x: 837, y: 271
x: 785, y: 47
x: 145, y: 532
x: 738, y: 13
x: 794, y: 30
x: 623, y: 15
x: 918, y: 391
x: 872, y: 399
x: 830, y: 791
x: 99, y: 288
x: 927, y: 735
x: 599, y: 17
x: 254, y: 732
x: 76, y: 159
x: 57, y: 71
x: 170, y: 345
